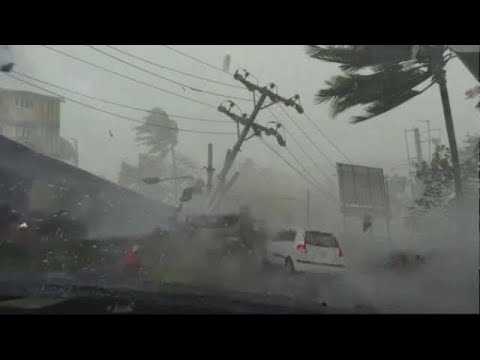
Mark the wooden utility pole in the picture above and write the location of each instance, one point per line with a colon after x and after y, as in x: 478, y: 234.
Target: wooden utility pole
x: 248, y: 123
x: 439, y: 74
x: 442, y: 82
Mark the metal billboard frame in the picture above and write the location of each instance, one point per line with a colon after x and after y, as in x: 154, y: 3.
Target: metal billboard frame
x: 357, y: 207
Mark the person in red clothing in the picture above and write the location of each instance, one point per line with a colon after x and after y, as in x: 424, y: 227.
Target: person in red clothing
x: 131, y: 260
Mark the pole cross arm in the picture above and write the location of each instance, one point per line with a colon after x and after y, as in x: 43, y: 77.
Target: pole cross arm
x: 274, y: 98
x: 257, y: 129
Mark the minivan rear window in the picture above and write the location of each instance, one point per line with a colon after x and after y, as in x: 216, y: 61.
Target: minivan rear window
x: 315, y: 238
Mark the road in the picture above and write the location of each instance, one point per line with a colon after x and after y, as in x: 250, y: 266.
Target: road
x: 433, y: 288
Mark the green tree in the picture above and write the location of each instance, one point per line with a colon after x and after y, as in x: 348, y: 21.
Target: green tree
x: 159, y: 134
x: 438, y: 176
x: 383, y: 77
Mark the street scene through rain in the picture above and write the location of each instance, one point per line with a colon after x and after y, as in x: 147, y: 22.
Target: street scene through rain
x: 239, y: 179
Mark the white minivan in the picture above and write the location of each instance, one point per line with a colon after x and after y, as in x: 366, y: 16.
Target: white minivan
x: 300, y: 250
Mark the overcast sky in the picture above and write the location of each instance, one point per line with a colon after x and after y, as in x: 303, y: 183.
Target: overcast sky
x: 378, y: 142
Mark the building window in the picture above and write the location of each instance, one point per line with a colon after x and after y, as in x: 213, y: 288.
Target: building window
x: 24, y: 101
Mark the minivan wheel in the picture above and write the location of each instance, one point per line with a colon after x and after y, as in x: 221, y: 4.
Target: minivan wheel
x: 289, y: 266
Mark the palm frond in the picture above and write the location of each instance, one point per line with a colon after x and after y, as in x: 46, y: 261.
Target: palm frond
x: 353, y: 89
x: 356, y: 57
x: 384, y: 105
x: 337, y: 54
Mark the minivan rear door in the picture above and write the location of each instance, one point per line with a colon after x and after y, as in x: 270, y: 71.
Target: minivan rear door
x: 323, y: 249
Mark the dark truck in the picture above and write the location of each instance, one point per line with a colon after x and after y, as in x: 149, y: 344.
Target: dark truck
x: 226, y: 235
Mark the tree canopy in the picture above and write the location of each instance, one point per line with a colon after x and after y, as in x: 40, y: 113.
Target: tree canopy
x: 379, y: 77
x: 158, y: 134
x: 437, y: 176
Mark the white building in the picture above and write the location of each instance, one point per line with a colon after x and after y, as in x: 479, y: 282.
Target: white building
x: 33, y: 119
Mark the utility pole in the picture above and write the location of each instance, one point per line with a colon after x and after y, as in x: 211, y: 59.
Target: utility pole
x: 226, y: 188
x: 451, y: 135
x: 248, y: 123
x: 437, y: 66
x: 308, y: 209
x: 174, y: 174
x: 209, y: 168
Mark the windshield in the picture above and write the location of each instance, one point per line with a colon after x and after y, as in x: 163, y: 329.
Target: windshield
x: 115, y: 158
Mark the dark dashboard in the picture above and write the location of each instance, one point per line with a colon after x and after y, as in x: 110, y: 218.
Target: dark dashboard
x: 60, y: 299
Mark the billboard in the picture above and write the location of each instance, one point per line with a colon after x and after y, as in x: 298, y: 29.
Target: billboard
x: 362, y: 189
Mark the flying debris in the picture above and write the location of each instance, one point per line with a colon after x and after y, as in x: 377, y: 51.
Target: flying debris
x: 226, y: 63
x: 110, y: 133
x: 470, y: 94
x: 187, y: 194
x: 6, y: 59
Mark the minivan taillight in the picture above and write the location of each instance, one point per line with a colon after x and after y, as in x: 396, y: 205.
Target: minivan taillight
x: 340, y: 252
x: 302, y: 247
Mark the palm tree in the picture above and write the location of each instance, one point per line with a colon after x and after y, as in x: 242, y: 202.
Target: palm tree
x: 159, y: 133
x: 383, y: 77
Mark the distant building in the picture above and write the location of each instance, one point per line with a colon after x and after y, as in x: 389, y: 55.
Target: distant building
x: 33, y: 119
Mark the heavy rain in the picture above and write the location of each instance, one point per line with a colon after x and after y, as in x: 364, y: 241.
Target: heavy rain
x: 197, y: 179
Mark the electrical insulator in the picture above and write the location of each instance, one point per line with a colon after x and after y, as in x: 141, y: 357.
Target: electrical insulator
x: 299, y: 108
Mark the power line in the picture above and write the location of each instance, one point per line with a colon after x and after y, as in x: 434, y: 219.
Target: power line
x: 302, y: 166
x: 119, y: 115
x: 308, y: 137
x: 174, y: 70
x: 295, y: 169
x: 130, y: 78
x: 315, y: 125
x: 326, y: 176
x: 116, y: 103
x: 327, y: 138
x: 165, y: 78
x: 221, y: 70
x: 195, y: 59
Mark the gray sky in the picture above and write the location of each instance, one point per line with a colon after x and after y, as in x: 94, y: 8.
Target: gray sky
x: 378, y: 142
